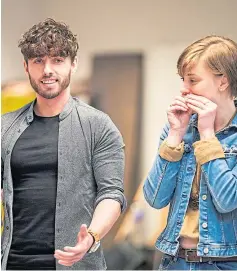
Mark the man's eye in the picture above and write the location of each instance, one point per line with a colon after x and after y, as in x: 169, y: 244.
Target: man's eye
x: 58, y: 60
x: 38, y: 60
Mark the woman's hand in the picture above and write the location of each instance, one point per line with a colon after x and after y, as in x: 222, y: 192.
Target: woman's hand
x: 206, y: 111
x: 178, y: 115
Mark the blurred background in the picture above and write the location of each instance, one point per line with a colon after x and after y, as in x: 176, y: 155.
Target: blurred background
x: 127, y: 68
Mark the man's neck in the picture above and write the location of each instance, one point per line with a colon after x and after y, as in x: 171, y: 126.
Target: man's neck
x: 51, y: 107
x: 224, y: 115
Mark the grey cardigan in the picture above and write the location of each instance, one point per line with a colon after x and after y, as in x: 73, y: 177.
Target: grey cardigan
x: 90, y: 169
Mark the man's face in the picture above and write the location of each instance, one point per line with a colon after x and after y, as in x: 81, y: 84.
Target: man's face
x: 50, y: 75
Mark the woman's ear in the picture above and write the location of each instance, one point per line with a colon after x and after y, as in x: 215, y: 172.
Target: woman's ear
x: 224, y: 84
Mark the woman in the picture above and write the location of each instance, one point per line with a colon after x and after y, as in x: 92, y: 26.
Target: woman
x: 195, y: 170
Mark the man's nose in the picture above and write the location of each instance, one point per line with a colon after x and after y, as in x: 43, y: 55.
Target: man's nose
x: 47, y: 69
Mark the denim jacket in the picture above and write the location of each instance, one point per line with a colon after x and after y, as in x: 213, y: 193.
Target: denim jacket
x: 171, y: 183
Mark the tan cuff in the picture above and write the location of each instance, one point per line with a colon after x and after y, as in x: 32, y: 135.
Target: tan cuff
x: 207, y: 150
x: 171, y: 154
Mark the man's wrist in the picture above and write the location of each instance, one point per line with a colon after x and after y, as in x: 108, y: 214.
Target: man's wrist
x: 95, y: 243
x: 92, y: 241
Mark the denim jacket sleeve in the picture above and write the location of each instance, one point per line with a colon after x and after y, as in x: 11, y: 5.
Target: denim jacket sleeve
x: 160, y: 183
x: 108, y: 163
x: 222, y: 183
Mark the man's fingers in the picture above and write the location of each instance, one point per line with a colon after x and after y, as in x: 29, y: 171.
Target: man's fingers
x: 65, y: 263
x: 69, y: 259
x: 83, y: 230
x: 82, y: 233
x: 69, y: 262
x: 68, y: 256
x: 77, y: 249
x: 64, y: 254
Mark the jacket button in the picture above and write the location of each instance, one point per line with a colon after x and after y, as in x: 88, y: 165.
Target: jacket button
x: 204, y: 225
x: 8, y: 151
x: 187, y: 148
x: 206, y: 250
x: 204, y: 197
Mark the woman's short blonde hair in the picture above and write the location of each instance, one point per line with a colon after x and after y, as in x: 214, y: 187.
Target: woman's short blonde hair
x: 220, y: 55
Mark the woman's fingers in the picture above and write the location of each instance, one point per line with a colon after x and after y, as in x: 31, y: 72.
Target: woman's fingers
x: 174, y: 108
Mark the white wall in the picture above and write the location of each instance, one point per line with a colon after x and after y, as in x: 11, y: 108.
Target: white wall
x: 17, y: 16
x: 115, y: 25
x: 159, y: 29
x: 162, y: 84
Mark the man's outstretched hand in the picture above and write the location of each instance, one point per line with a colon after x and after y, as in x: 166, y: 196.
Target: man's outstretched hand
x: 71, y: 255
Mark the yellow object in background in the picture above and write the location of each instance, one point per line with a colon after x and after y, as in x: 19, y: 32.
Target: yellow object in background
x: 15, y: 95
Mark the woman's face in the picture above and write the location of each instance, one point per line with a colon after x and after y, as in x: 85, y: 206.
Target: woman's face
x: 201, y: 81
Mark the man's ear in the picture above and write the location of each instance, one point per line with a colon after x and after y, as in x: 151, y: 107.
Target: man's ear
x: 224, y: 84
x: 26, y: 67
x: 74, y: 64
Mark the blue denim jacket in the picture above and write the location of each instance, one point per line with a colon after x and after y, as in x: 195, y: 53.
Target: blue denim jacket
x: 171, y: 182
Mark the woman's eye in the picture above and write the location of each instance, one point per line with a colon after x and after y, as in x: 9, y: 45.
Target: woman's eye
x: 182, y: 78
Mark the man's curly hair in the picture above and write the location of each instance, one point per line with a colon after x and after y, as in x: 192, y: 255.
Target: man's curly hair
x: 49, y: 38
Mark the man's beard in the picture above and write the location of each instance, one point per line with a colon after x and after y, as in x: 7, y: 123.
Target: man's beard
x: 47, y: 94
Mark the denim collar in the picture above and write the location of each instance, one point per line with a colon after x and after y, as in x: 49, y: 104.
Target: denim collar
x: 194, y: 120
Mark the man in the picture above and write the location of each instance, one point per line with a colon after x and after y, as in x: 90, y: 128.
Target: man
x: 63, y: 164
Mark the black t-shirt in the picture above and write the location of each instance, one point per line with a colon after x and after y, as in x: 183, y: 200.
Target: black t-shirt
x: 34, y: 165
